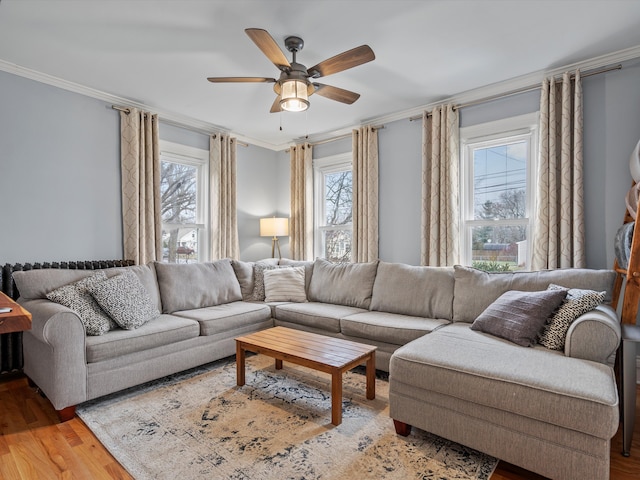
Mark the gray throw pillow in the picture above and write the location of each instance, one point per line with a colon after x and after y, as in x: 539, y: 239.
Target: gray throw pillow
x: 125, y: 299
x: 577, y: 302
x: 258, y: 294
x: 519, y: 316
x: 76, y: 296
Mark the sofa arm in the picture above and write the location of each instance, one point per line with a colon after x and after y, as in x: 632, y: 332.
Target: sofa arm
x: 594, y: 335
x: 49, y: 317
x: 55, y: 353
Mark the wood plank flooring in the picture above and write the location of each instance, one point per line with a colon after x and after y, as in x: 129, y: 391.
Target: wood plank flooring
x: 34, y: 445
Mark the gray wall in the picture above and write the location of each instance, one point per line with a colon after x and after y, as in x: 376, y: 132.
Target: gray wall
x: 60, y: 174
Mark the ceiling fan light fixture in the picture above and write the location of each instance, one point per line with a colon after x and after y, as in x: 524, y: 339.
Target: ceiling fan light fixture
x: 294, y: 97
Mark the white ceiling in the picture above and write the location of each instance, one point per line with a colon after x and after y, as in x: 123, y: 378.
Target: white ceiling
x: 159, y: 52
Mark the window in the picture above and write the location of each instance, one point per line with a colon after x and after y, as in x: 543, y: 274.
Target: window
x: 184, y: 192
x: 333, y: 208
x: 498, y: 161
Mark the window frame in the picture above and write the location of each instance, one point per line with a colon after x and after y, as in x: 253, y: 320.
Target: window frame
x: 485, y: 135
x: 198, y: 158
x: 321, y: 167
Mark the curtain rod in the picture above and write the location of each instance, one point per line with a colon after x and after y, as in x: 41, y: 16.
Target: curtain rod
x: 177, y: 124
x: 529, y: 88
x: 339, y: 137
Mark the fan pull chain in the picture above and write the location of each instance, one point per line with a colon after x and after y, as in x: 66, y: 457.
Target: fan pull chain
x: 280, y: 120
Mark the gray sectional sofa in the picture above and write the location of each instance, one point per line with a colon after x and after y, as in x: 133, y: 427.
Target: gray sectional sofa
x: 550, y: 411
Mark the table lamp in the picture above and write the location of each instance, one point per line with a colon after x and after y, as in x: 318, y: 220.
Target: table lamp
x: 274, y: 227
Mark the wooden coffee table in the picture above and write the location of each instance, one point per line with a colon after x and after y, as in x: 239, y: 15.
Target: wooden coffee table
x: 326, y: 354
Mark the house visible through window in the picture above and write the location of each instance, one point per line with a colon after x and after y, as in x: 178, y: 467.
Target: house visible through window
x: 184, y: 194
x: 333, y: 208
x: 498, y: 162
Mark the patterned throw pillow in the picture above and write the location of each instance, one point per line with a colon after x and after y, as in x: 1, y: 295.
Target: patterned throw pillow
x: 519, y: 316
x: 76, y: 296
x: 285, y: 285
x: 578, y: 302
x: 258, y: 281
x: 125, y: 299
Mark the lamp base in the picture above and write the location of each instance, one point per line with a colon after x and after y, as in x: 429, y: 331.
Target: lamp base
x: 275, y: 241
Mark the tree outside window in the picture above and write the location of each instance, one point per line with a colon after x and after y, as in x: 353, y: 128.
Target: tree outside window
x: 496, y: 223
x: 183, y: 193
x: 334, y: 208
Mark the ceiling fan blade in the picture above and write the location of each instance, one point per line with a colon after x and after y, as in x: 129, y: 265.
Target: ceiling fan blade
x: 275, y: 108
x: 343, y: 61
x: 240, y: 79
x: 269, y: 47
x: 337, y: 94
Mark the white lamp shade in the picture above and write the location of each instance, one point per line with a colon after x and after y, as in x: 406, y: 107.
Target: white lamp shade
x: 274, y: 227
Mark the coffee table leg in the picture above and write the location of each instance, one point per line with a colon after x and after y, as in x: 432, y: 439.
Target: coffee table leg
x: 239, y: 364
x: 336, y: 398
x: 278, y: 364
x: 371, y: 376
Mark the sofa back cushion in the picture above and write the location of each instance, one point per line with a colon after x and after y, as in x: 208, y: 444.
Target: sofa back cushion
x: 349, y: 284
x: 417, y: 291
x: 185, y: 286
x: 475, y: 290
x: 246, y: 275
x: 38, y: 283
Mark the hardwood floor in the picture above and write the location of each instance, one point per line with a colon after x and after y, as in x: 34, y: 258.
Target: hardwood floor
x: 34, y: 445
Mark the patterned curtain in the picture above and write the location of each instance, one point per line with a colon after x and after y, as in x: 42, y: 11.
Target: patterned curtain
x: 301, y: 224
x: 440, y: 187
x: 224, y: 219
x: 141, y: 206
x: 365, y: 194
x: 558, y: 240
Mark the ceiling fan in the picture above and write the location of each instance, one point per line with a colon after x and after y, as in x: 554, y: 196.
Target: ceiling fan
x: 296, y: 84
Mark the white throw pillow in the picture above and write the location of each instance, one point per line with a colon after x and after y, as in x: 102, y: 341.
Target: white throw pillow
x: 284, y: 285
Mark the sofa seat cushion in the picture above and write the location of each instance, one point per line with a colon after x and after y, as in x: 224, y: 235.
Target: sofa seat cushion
x: 323, y: 316
x: 160, y: 331
x: 388, y: 327
x: 536, y: 383
x: 227, y: 317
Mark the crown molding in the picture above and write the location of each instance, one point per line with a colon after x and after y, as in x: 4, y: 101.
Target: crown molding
x: 523, y: 81
x: 529, y: 80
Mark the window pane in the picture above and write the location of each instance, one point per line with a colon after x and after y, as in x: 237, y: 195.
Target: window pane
x: 499, y: 181
x: 499, y: 248
x: 179, y: 245
x: 338, y: 198
x: 336, y: 245
x: 178, y: 184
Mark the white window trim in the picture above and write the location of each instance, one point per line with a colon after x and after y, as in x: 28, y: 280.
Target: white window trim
x: 500, y: 132
x: 197, y: 157
x: 322, y: 166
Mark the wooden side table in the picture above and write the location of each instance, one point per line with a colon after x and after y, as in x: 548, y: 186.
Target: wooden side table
x: 17, y: 320
x: 628, y: 379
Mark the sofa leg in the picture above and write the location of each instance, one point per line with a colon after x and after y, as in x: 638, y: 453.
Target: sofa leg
x: 66, y: 413
x: 402, y: 428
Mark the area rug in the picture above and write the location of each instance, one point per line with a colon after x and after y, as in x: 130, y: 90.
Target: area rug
x: 199, y: 425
